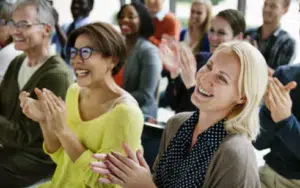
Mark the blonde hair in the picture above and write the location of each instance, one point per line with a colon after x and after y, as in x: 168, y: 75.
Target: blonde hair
x: 206, y: 25
x: 252, y: 84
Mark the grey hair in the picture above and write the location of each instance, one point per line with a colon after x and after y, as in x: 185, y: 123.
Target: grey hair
x: 44, y: 10
x: 6, y: 9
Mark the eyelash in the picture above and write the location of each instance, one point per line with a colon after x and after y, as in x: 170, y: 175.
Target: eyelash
x: 220, y: 77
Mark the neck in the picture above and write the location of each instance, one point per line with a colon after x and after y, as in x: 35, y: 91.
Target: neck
x: 103, y: 93
x: 37, y: 55
x: 268, y: 29
x: 207, y: 120
x: 130, y: 41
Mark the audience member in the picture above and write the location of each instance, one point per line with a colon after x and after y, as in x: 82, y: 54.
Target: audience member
x: 80, y: 10
x: 198, y: 25
x: 98, y: 114
x: 210, y: 147
x: 164, y: 21
x: 23, y: 161
x: 274, y: 43
x: 227, y: 25
x: 7, y: 49
x: 143, y: 67
x: 279, y: 118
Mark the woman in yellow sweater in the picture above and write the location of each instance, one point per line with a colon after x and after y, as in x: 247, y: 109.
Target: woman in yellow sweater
x: 98, y: 114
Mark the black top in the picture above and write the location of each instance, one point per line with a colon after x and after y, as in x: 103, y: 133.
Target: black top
x: 177, y: 96
x: 278, y: 49
x: 283, y: 137
x: 181, y: 166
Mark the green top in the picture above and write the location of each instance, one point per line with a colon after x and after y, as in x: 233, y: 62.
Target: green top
x: 17, y: 132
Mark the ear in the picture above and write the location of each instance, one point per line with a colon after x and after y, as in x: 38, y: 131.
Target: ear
x: 242, y: 100
x: 47, y: 30
x: 239, y: 36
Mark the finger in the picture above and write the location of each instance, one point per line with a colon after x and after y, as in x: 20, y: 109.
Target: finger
x: 130, y: 154
x: 100, y: 156
x: 104, y: 181
x: 125, y: 160
x: 38, y: 93
x: 290, y: 86
x: 115, y: 170
x: 115, y: 180
x: 99, y: 164
x: 49, y: 107
x: 274, y: 92
x: 54, y: 98
x: 141, y: 159
x: 101, y: 171
x: 272, y: 103
x: 279, y: 89
x: 119, y: 161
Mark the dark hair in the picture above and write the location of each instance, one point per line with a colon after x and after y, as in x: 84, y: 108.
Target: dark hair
x: 235, y: 19
x: 146, y: 24
x: 91, y: 4
x: 105, y: 38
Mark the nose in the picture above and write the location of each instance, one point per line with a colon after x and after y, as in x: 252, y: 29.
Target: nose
x: 206, y: 79
x: 212, y: 37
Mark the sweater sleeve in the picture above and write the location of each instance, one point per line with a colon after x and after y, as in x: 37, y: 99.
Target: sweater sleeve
x: 242, y: 173
x: 23, y: 131
x: 289, y: 133
x: 126, y: 125
x: 150, y: 75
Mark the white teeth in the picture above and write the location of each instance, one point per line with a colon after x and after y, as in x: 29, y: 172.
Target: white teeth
x: 18, y: 39
x: 81, y: 72
x: 204, y: 92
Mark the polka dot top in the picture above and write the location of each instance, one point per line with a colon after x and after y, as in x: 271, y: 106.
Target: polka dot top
x: 181, y: 167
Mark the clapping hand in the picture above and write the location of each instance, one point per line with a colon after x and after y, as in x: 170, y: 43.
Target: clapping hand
x: 278, y: 100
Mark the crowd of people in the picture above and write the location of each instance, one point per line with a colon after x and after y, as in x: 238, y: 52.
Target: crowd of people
x: 75, y: 117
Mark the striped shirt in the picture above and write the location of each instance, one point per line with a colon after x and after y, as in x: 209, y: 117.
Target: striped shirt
x: 278, y: 49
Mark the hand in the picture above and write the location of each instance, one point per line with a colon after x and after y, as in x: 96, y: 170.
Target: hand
x: 124, y: 171
x: 55, y: 110
x: 270, y: 72
x: 188, y: 66
x: 32, y: 108
x: 278, y: 99
x: 169, y: 54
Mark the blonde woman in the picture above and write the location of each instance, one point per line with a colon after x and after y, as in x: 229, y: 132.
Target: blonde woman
x: 195, y: 36
x: 212, y: 146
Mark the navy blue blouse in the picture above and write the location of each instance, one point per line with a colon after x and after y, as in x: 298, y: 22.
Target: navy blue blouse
x: 181, y: 167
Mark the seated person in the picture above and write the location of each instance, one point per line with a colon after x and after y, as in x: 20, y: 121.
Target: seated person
x: 22, y: 160
x: 280, y: 121
x: 143, y: 67
x: 7, y: 49
x: 210, y: 147
x: 98, y: 114
x: 273, y: 42
x: 226, y: 26
x: 80, y: 10
x: 195, y: 36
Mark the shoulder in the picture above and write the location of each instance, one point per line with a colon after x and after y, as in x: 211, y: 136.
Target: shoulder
x: 56, y: 65
x: 145, y: 45
x: 237, y: 148
x: 287, y: 73
x: 177, y: 120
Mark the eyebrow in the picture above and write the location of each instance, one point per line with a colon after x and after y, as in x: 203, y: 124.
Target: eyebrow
x: 222, y: 72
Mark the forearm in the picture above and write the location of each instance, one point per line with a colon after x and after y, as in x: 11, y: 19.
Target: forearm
x: 51, y: 141
x: 71, y: 144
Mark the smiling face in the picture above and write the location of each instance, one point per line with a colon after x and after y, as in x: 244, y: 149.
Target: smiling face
x: 198, y: 15
x: 91, y: 71
x: 129, y: 21
x: 219, y: 33
x: 31, y: 37
x: 217, y: 83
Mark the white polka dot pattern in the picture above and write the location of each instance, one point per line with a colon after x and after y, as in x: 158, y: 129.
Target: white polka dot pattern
x: 180, y: 167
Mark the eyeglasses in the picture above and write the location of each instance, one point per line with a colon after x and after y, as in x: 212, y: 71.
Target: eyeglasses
x: 84, y: 52
x: 22, y: 24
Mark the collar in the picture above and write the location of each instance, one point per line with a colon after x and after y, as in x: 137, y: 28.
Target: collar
x: 161, y: 14
x: 275, y: 33
x: 81, y: 22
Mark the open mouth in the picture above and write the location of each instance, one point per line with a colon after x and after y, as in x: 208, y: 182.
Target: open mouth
x: 81, y: 72
x: 125, y: 28
x: 204, y: 93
